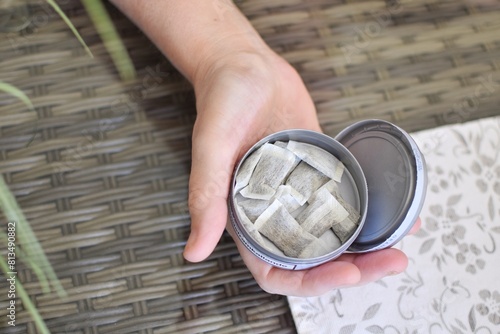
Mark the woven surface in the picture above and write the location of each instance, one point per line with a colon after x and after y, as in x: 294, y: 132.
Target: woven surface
x: 101, y: 168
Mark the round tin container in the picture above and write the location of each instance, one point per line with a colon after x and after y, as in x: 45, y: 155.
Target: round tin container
x: 385, y: 179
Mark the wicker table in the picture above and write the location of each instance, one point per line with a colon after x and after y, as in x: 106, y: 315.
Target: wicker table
x: 101, y: 167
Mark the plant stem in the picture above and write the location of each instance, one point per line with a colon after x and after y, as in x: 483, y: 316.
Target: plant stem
x: 16, y: 92
x: 112, y: 41
x: 70, y: 25
x: 27, y: 238
x: 28, y: 305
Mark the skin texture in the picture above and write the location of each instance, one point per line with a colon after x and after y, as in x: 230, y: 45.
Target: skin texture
x: 244, y: 91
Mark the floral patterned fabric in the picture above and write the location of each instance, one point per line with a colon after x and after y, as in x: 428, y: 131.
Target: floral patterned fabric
x: 452, y: 284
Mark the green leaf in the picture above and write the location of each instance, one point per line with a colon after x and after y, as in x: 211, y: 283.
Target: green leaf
x: 112, y: 41
x: 59, y: 11
x: 40, y: 274
x: 16, y: 92
x: 27, y: 303
x: 26, y: 238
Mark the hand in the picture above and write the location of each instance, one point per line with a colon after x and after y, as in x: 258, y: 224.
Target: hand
x: 346, y: 271
x: 244, y: 91
x: 242, y: 98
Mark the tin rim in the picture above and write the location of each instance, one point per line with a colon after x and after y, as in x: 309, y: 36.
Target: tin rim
x: 413, y: 196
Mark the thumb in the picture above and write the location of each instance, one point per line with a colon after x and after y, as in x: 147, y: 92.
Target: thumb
x: 212, y: 164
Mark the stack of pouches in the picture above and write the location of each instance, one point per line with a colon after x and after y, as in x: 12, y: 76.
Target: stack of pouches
x: 288, y: 200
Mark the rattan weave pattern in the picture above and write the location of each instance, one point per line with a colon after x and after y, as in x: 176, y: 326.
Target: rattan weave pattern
x: 101, y: 167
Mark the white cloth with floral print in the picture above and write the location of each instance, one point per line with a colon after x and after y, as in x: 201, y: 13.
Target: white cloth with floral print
x: 452, y: 284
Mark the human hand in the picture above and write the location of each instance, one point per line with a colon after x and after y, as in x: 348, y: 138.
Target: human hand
x: 348, y: 270
x: 244, y: 91
x: 241, y: 99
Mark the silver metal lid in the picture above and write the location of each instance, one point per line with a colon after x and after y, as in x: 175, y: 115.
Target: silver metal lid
x: 395, y: 172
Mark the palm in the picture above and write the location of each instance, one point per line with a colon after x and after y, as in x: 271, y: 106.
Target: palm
x: 244, y: 104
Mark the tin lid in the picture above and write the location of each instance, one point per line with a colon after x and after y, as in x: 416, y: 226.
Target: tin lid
x: 395, y: 172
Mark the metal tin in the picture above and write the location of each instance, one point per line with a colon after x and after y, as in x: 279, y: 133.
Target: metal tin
x: 385, y: 180
x: 396, y: 175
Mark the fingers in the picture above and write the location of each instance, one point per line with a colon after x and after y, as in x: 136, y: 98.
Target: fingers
x: 348, y: 270
x: 415, y: 227
x: 312, y: 282
x: 208, y: 190
x: 343, y: 272
x: 376, y: 265
x: 217, y: 142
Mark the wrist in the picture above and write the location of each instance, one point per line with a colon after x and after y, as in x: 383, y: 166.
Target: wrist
x: 234, y: 41
x: 194, y: 34
x: 234, y: 57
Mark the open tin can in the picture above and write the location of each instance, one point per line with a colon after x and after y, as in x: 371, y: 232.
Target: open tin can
x: 385, y: 179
